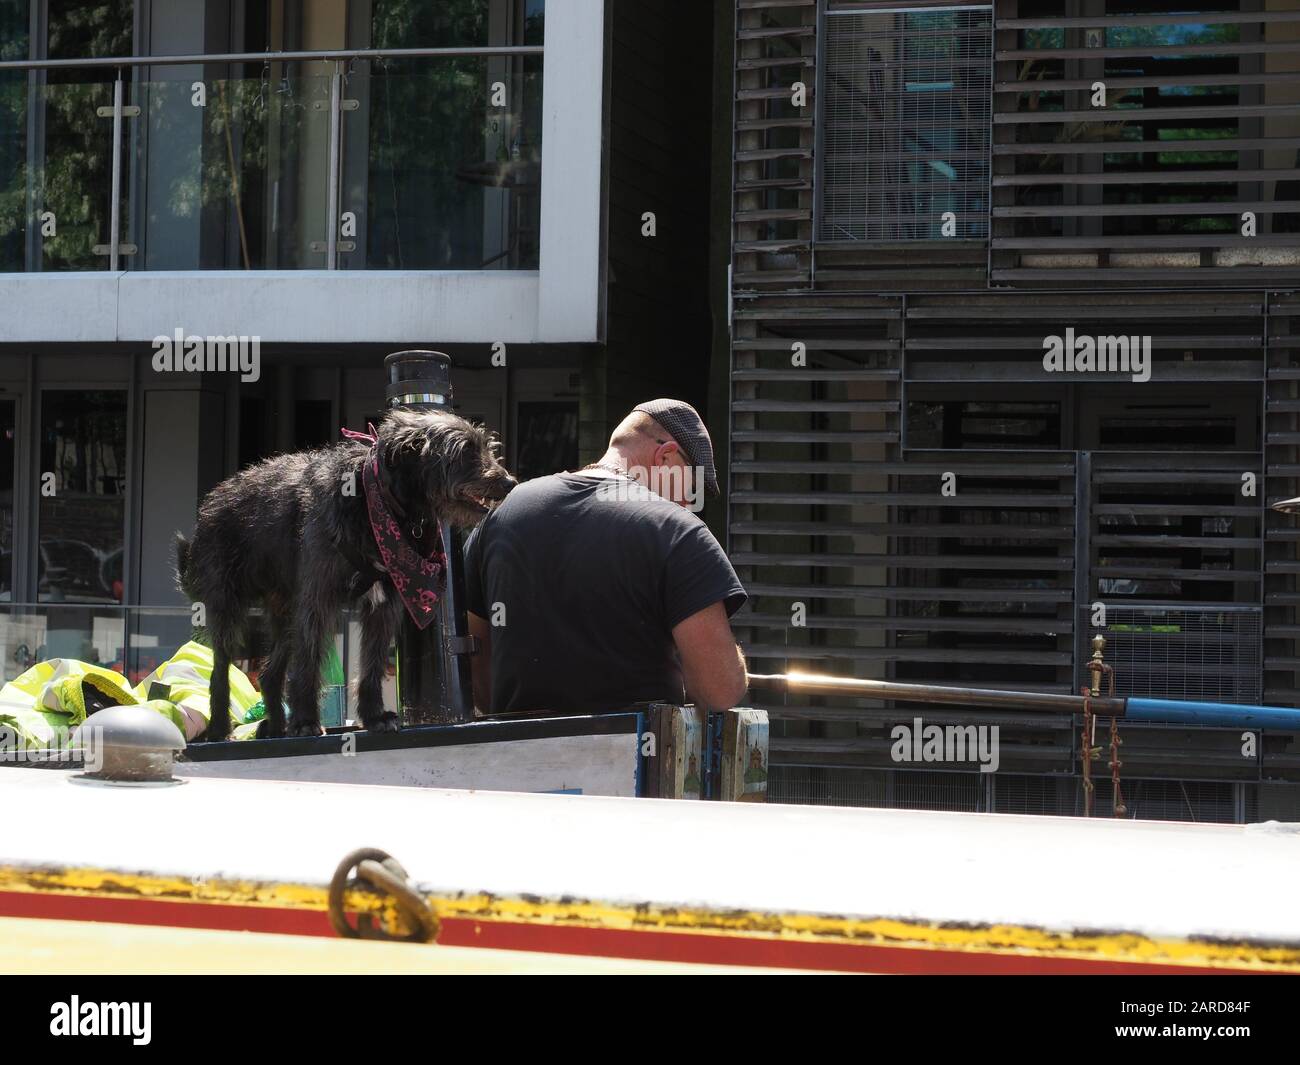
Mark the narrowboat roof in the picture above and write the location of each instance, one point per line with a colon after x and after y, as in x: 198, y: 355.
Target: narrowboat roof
x: 1229, y: 882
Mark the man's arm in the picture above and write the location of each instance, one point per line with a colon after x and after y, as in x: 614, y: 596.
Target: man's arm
x: 480, y: 663
x: 712, y: 665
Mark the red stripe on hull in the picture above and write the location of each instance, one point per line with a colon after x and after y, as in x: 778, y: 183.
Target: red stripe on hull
x: 782, y: 954
x: 704, y: 948
x: 214, y: 915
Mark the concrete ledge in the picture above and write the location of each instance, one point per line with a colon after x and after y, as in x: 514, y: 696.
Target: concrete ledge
x: 278, y: 306
x: 333, y: 305
x: 73, y: 307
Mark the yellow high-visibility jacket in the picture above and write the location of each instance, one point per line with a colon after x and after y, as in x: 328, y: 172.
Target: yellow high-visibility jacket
x: 49, y: 700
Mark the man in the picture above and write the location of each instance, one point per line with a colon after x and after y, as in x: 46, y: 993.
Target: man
x: 592, y: 590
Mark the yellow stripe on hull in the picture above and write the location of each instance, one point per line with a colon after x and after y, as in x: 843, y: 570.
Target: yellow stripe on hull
x: 1004, y: 940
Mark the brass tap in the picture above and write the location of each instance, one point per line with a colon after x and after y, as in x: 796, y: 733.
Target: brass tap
x: 1096, y: 666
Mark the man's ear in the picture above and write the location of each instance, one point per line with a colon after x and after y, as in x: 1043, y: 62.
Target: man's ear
x: 663, y: 451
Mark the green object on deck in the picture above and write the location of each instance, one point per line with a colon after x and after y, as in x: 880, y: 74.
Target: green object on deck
x: 333, y: 694
x: 332, y: 672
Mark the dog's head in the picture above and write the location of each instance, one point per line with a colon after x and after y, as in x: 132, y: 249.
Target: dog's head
x: 441, y: 466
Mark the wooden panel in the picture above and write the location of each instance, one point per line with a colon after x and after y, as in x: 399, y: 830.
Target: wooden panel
x: 743, y: 769
x: 675, y: 770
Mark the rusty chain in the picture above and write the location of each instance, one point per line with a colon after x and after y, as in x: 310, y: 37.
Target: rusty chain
x: 1115, y: 763
x: 1089, y: 752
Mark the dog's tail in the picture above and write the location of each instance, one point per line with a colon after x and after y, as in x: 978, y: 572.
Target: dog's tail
x: 185, y: 582
x: 184, y: 572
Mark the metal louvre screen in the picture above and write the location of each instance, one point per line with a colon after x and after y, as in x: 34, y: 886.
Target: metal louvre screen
x: 827, y: 786
x: 1147, y: 141
x: 1207, y: 654
x: 1215, y: 802
x: 880, y: 788
x: 905, y: 126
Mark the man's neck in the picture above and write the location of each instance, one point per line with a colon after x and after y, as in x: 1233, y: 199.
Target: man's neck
x: 613, y: 462
x: 616, y: 464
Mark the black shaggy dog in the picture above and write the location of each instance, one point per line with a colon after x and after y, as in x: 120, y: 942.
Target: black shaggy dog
x: 293, y: 535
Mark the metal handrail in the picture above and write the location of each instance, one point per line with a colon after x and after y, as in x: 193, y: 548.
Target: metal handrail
x: 1126, y: 708
x: 271, y: 57
x: 1102, y: 706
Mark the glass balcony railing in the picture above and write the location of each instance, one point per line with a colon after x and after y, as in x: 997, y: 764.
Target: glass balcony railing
x: 238, y: 183
x: 417, y: 159
x: 444, y: 178
x: 134, y: 641
x: 55, y: 188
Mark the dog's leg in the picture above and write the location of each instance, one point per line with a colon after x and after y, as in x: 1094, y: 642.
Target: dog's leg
x: 379, y: 616
x: 224, y: 650
x: 311, y: 629
x: 273, y: 677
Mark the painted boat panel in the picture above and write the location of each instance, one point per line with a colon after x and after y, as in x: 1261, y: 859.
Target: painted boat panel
x: 570, y: 765
x: 739, y: 883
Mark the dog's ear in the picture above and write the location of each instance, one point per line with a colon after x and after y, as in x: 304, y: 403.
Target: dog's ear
x: 404, y: 437
x: 425, y: 453
x: 420, y: 438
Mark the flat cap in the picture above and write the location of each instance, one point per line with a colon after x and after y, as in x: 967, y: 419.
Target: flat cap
x: 683, y: 423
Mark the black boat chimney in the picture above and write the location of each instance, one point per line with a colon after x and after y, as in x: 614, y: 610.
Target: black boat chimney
x: 433, y: 673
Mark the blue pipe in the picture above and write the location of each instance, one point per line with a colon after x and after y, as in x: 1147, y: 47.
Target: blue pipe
x: 1224, y: 714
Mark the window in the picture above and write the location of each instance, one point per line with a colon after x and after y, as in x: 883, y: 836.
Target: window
x: 905, y: 131
x: 82, y: 493
x: 13, y: 135
x: 548, y: 438
x: 456, y: 185
x: 226, y: 166
x: 55, y: 150
x: 957, y: 423
x: 8, y: 457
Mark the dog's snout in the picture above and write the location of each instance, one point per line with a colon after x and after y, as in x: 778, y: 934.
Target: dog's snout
x: 508, y: 483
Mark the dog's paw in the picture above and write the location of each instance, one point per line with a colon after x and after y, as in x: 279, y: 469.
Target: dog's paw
x: 305, y: 727
x: 267, y: 730
x: 387, y: 722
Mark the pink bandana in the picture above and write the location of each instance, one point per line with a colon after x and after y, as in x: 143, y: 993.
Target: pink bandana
x: 417, y: 577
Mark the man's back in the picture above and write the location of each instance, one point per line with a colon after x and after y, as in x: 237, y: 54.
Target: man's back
x: 582, y: 579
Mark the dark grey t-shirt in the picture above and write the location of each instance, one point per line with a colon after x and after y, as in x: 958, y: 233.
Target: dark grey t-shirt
x: 582, y: 579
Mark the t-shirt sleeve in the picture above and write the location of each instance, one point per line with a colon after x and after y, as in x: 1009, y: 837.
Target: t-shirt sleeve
x: 474, y: 573
x: 698, y: 574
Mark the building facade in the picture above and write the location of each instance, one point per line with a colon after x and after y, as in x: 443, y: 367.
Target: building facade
x: 218, y: 216
x: 1015, y: 358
